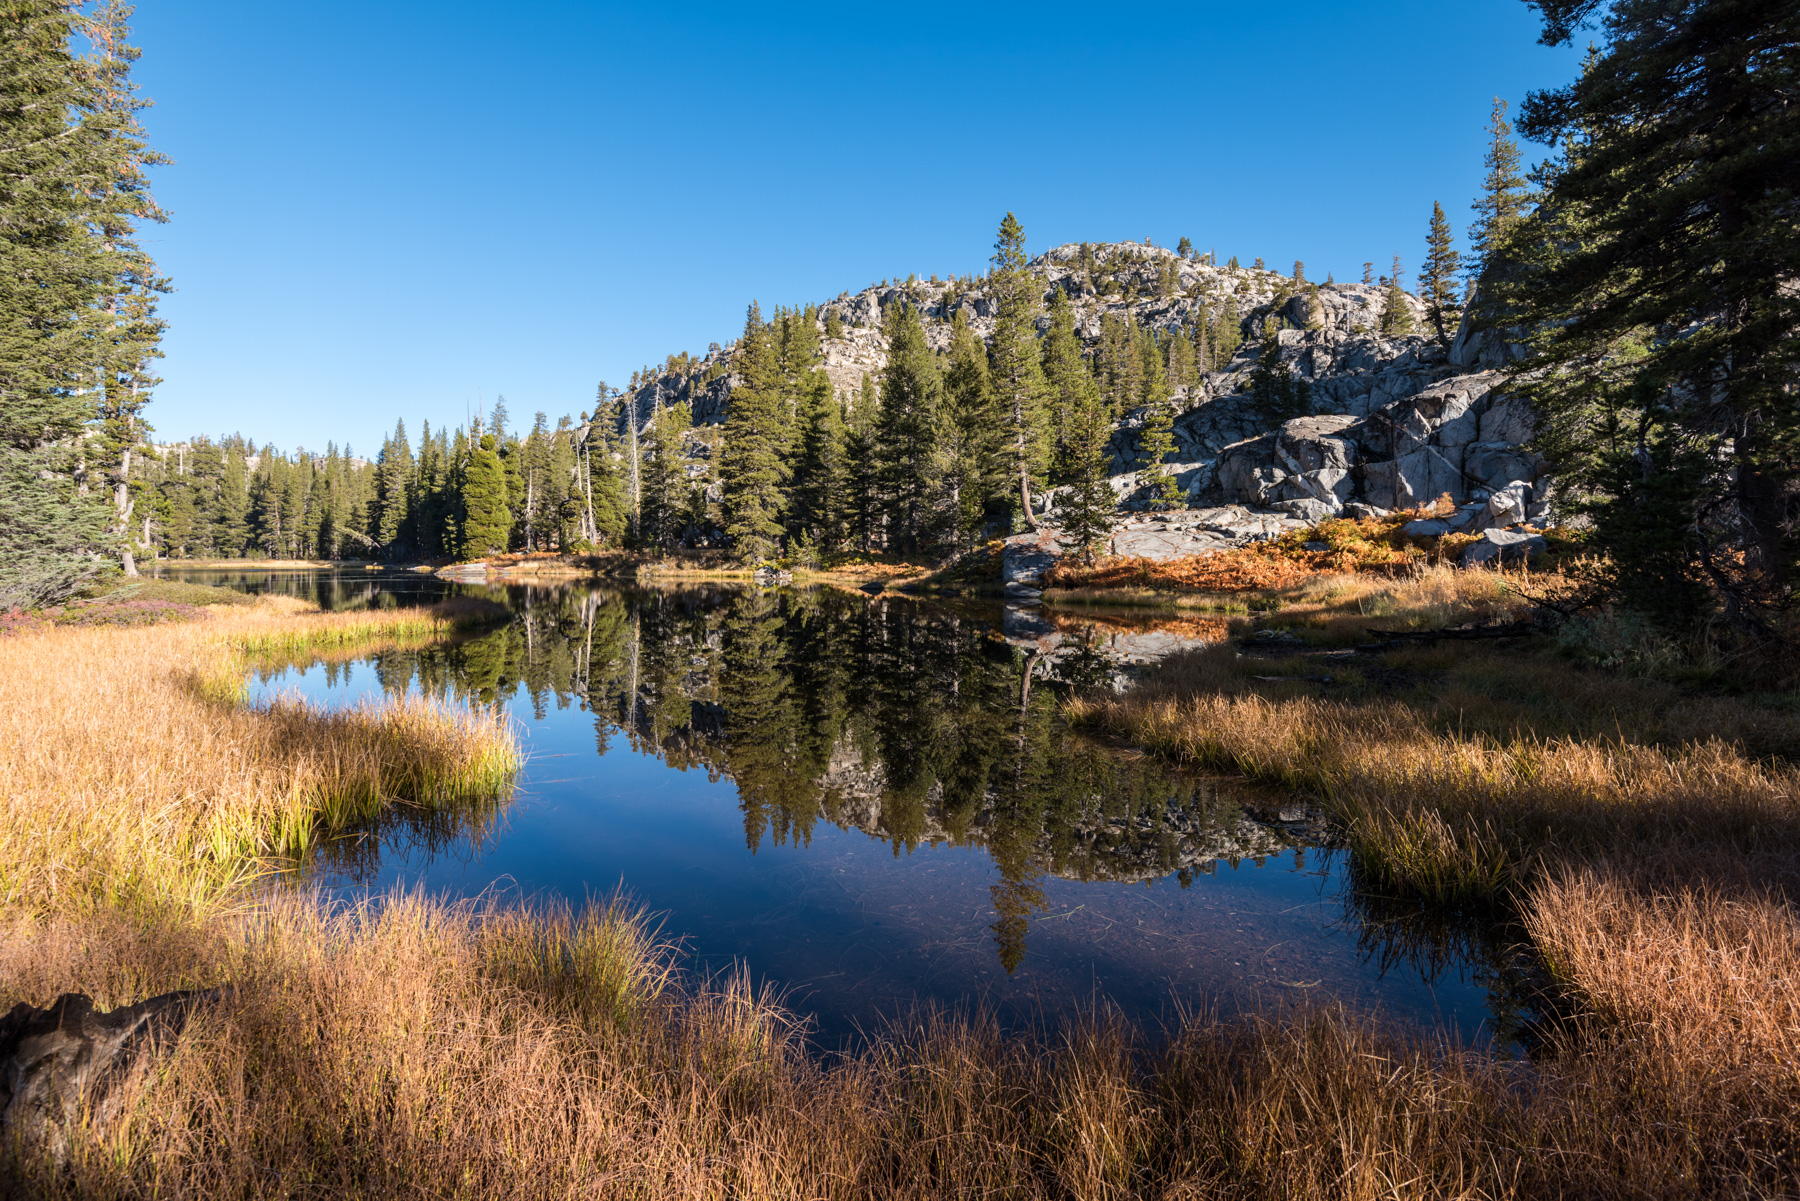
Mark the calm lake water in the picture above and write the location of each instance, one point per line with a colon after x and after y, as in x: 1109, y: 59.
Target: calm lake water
x: 875, y: 803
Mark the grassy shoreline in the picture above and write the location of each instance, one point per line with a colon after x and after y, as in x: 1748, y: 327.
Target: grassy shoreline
x: 411, y: 1046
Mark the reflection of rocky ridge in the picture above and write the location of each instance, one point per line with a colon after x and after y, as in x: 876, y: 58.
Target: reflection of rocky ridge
x: 909, y: 722
x: 1184, y: 837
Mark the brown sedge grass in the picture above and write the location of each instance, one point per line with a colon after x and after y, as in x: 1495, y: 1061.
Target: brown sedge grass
x: 138, y: 776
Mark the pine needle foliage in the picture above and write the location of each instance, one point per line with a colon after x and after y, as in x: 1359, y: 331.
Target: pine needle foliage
x: 1657, y: 274
x: 1017, y: 375
x: 1437, y: 278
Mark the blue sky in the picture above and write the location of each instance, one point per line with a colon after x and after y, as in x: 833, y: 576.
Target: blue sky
x: 393, y: 208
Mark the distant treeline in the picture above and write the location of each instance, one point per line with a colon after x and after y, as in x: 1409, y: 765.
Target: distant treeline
x: 458, y: 493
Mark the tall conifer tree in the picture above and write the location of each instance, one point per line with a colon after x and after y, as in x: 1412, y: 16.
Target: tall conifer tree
x: 1437, y: 278
x: 822, y: 476
x: 753, y: 471
x: 1504, y: 195
x: 1065, y: 374
x: 1658, y: 278
x: 974, y: 466
x: 906, y: 431
x: 487, y: 521
x: 1396, y: 314
x: 1018, y: 378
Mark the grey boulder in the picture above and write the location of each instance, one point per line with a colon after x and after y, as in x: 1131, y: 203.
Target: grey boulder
x: 1498, y: 547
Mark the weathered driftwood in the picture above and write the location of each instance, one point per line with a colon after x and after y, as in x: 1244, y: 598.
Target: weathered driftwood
x: 66, y: 1063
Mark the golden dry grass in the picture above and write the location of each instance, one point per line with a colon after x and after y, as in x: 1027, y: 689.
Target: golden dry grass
x: 136, y: 776
x: 1647, y: 837
x: 412, y: 1047
x: 1702, y: 969
x: 1463, y: 768
x: 1449, y: 814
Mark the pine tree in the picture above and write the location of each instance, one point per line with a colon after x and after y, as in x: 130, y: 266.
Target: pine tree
x: 76, y: 297
x: 862, y: 455
x: 906, y: 432
x: 1063, y: 367
x: 1228, y: 334
x: 1017, y: 376
x: 1152, y: 376
x: 1396, y: 314
x: 512, y: 466
x: 1156, y: 442
x: 822, y: 476
x: 535, y: 505
x: 1368, y: 274
x: 487, y: 521
x: 1504, y: 195
x: 1277, y: 395
x: 1657, y: 274
x: 753, y: 471
x: 603, y: 480
x: 1182, y: 359
x: 393, y: 487
x: 973, y: 462
x: 230, y: 512
x: 665, y: 478
x: 1114, y: 362
x: 1088, y: 508
x: 1437, y: 278
x: 131, y: 332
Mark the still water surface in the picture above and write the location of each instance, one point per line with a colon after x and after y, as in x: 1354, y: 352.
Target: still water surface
x: 875, y: 803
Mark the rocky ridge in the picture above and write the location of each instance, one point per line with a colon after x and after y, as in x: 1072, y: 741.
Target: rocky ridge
x: 1397, y: 421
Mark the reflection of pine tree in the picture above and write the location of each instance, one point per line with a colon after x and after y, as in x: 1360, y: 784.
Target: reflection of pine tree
x: 763, y: 723
x: 764, y: 687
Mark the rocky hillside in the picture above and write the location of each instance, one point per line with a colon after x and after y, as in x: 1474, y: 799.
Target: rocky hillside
x: 1396, y: 422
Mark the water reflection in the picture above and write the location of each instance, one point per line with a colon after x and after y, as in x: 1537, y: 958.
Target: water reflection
x: 912, y: 724
x: 731, y: 756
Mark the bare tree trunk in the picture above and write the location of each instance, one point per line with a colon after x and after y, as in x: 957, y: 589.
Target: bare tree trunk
x: 1025, y: 486
x: 591, y: 534
x: 122, y: 506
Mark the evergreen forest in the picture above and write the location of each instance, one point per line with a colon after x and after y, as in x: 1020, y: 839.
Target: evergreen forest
x: 1644, y: 270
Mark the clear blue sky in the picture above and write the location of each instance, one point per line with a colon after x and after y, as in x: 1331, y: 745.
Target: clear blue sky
x: 390, y: 208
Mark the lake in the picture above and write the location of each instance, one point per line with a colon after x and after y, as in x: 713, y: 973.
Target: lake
x: 872, y: 803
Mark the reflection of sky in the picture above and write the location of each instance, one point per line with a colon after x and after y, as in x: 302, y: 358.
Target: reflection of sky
x: 853, y: 930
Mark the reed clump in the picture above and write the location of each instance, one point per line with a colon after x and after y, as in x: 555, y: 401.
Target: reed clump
x: 137, y: 777
x: 1473, y: 814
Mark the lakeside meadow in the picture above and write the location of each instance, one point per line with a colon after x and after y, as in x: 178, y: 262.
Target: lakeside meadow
x: 1074, y: 717
x: 409, y: 1045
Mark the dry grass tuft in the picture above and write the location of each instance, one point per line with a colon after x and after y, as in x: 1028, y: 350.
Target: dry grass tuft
x: 1704, y: 973
x: 136, y: 778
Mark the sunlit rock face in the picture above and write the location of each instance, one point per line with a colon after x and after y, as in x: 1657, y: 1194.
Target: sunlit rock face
x: 1395, y: 422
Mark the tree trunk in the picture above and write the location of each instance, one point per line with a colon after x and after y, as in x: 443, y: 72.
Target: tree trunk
x: 1025, y: 488
x: 122, y: 505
